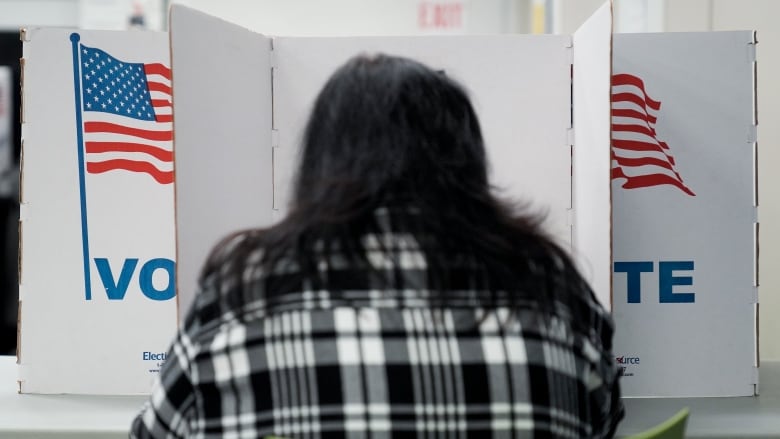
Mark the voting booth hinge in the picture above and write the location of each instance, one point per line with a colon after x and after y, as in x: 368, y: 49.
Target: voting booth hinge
x: 272, y: 55
x: 21, y: 85
x: 755, y: 174
x: 570, y: 217
x: 754, y: 65
x: 757, y: 253
x: 570, y: 52
x: 754, y: 68
x: 274, y: 158
x: 757, y: 346
x: 21, y: 368
x: 19, y: 332
x: 272, y: 61
x: 570, y: 144
x: 23, y: 206
x: 19, y: 259
x: 754, y: 378
x: 21, y: 173
x: 752, y: 48
x: 21, y: 376
x: 23, y: 212
x: 752, y: 134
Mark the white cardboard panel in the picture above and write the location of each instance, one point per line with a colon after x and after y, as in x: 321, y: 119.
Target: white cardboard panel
x: 591, y: 194
x: 520, y: 87
x: 701, y: 230
x: 74, y: 339
x: 222, y: 88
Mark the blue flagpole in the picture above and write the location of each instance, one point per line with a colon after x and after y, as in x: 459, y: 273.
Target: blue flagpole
x: 74, y: 39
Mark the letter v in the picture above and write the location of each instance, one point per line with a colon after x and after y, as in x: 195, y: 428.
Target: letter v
x: 115, y: 290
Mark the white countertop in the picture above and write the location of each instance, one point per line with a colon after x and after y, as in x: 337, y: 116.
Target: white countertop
x: 61, y: 416
x: 78, y: 416
x: 739, y: 417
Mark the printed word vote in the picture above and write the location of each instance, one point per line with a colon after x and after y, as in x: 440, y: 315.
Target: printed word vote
x: 668, y: 278
x: 116, y: 285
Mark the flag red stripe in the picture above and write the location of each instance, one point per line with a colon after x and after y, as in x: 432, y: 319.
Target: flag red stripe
x: 645, y: 161
x: 100, y: 147
x: 157, y: 69
x: 618, y: 173
x: 635, y: 145
x: 669, y: 158
x: 156, y: 103
x: 643, y: 129
x: 159, y: 86
x: 648, y: 180
x: 636, y: 99
x: 626, y: 79
x: 625, y: 112
x: 164, y: 118
x: 162, y: 177
x: 108, y: 127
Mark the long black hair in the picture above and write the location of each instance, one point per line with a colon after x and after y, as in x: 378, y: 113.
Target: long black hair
x: 390, y: 132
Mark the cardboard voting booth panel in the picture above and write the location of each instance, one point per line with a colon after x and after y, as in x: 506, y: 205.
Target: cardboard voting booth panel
x: 520, y: 86
x: 97, y: 228
x: 684, y: 214
x: 525, y: 122
x: 591, y: 194
x: 224, y: 162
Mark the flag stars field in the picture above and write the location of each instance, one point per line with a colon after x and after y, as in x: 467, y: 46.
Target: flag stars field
x: 127, y: 115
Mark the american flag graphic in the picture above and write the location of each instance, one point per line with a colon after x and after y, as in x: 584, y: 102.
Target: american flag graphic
x: 127, y: 115
x: 638, y: 156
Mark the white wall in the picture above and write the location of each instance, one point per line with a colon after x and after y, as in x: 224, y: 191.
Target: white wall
x: 278, y: 17
x: 15, y: 14
x: 85, y: 14
x: 568, y: 15
x: 357, y: 17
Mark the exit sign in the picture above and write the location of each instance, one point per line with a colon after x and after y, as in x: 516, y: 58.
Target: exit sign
x: 444, y: 15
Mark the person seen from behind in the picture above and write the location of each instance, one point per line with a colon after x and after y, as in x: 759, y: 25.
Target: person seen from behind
x: 400, y: 297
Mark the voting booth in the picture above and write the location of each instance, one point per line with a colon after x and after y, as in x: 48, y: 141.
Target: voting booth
x: 269, y: 85
x: 684, y: 213
x: 97, y: 240
x: 103, y: 222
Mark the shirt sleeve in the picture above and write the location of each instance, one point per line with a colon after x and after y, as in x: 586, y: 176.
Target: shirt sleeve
x: 609, y: 405
x: 607, y: 408
x: 169, y: 410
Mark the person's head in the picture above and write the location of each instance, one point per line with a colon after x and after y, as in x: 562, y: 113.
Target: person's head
x: 387, y: 130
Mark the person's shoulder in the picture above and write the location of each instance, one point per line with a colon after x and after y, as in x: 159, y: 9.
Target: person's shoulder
x: 576, y: 294
x: 221, y: 279
x: 233, y: 249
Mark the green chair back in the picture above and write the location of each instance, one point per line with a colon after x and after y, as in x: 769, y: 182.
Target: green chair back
x: 672, y: 428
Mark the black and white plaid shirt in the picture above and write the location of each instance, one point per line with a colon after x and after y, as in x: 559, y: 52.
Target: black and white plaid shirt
x: 377, y: 363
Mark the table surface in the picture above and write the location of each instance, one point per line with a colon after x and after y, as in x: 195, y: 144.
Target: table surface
x: 740, y: 417
x: 82, y: 416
